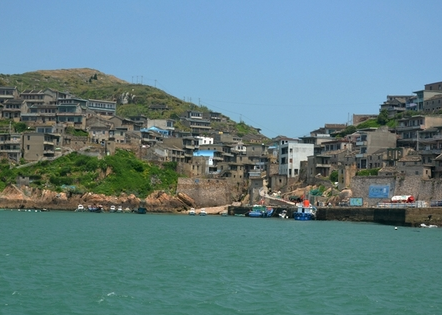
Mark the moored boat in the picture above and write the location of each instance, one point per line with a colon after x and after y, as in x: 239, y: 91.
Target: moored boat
x: 192, y: 211
x: 94, y: 208
x: 203, y: 212
x: 141, y: 210
x: 80, y: 208
x: 120, y: 209
x: 284, y: 214
x: 305, y: 212
x: 112, y: 208
x: 260, y: 211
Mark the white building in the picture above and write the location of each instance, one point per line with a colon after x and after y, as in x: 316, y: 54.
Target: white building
x: 291, y: 154
x: 204, y: 140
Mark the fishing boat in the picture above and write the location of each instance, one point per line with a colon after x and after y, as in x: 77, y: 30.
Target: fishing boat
x: 305, y: 212
x: 203, y: 212
x: 94, y: 208
x: 120, y: 209
x: 192, y: 211
x: 260, y: 211
x: 112, y: 208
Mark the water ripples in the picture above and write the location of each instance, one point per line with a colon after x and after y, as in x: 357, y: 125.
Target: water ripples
x: 82, y: 263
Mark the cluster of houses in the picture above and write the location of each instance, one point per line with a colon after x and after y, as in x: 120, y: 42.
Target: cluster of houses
x: 412, y: 148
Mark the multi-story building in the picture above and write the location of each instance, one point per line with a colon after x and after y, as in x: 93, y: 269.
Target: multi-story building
x: 291, y: 153
x: 10, y: 146
x: 396, y: 104
x: 165, y: 124
x: 409, y: 129
x: 12, y: 109
x: 8, y: 93
x: 428, y: 92
x: 433, y: 104
x: 39, y: 146
x: 411, y: 165
x: 371, y: 140
x: 102, y: 107
x: 198, y: 126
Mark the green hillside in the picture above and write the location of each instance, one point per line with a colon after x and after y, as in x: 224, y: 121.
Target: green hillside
x: 132, y: 99
x: 112, y: 175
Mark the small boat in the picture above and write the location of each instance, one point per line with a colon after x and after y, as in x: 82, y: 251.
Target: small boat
x: 112, y: 209
x: 305, y: 212
x: 224, y: 213
x: 94, y: 208
x: 80, y: 208
x: 120, y: 209
x: 192, y: 211
x: 260, y: 211
x: 423, y: 225
x: 141, y: 210
x: 283, y: 214
x: 203, y: 211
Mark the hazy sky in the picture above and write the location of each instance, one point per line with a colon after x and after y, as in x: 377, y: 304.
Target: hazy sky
x: 285, y: 66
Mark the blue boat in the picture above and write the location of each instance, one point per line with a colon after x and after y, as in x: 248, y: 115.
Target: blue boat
x: 305, y: 212
x: 141, y: 210
x: 94, y: 208
x: 260, y: 211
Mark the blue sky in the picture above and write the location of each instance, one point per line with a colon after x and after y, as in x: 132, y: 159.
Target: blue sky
x: 285, y: 66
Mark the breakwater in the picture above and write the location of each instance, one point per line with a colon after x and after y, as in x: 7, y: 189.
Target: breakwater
x: 400, y: 217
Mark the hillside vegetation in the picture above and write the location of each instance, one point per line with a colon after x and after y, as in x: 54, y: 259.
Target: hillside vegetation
x: 112, y: 175
x: 132, y: 99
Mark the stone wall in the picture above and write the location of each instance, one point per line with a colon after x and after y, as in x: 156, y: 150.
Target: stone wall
x: 404, y: 217
x: 425, y: 190
x: 206, y: 192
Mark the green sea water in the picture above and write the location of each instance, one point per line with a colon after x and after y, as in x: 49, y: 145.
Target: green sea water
x: 86, y: 263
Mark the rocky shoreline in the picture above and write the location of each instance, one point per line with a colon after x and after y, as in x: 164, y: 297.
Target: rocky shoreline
x: 26, y: 197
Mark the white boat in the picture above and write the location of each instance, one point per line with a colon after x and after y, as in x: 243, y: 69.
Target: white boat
x: 120, y: 209
x: 80, y: 208
x: 112, y: 209
x: 192, y: 211
x: 203, y: 211
x: 283, y: 214
x: 428, y: 226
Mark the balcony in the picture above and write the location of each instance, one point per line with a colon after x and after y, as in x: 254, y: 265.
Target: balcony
x: 417, y: 127
x: 10, y: 150
x: 323, y: 165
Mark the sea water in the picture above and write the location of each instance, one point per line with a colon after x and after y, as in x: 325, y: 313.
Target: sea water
x: 111, y: 263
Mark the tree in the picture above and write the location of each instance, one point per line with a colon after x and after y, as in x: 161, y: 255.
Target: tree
x: 383, y: 117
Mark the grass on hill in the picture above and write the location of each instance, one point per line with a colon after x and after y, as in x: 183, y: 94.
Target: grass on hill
x: 112, y: 175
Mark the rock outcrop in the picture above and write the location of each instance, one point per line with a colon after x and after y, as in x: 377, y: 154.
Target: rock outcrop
x: 25, y: 197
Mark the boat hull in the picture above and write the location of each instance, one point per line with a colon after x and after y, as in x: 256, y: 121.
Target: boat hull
x: 303, y: 216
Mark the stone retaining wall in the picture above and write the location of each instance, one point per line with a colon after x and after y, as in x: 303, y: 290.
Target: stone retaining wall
x: 425, y: 190
x: 206, y: 192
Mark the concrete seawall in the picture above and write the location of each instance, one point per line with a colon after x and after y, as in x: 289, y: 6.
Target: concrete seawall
x: 400, y: 217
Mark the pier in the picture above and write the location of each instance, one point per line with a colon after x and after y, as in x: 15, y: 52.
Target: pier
x: 412, y: 217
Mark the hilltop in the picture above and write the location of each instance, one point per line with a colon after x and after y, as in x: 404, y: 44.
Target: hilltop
x: 132, y: 99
